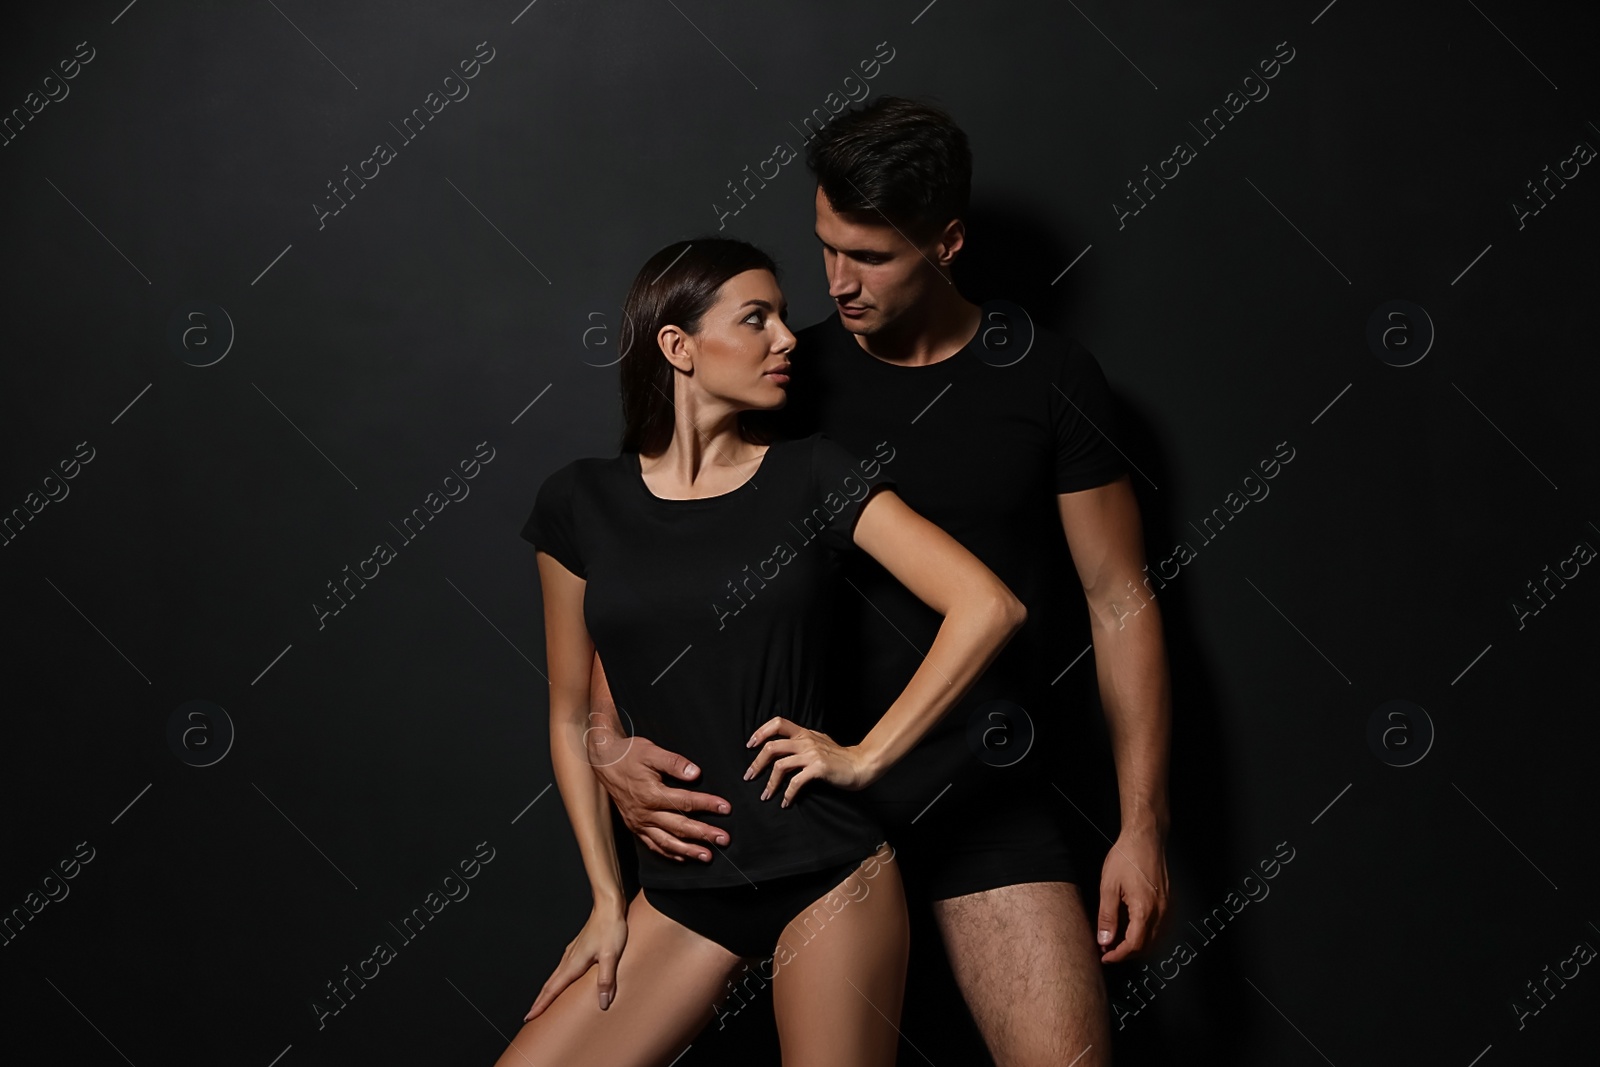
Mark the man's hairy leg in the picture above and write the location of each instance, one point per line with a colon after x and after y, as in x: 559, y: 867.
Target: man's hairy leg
x: 632, y: 770
x: 1026, y: 961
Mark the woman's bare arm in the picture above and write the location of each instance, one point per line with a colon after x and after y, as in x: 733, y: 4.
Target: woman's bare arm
x: 569, y: 653
x: 980, y: 616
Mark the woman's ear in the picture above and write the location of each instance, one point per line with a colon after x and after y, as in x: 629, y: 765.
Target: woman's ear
x: 677, y: 346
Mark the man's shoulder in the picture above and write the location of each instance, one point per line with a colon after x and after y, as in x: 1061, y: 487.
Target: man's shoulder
x: 1009, y: 336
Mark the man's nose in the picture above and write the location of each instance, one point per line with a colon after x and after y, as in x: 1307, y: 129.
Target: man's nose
x: 841, y: 281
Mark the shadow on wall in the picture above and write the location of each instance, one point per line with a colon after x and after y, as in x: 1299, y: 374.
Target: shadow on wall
x: 1015, y: 256
x: 1011, y: 255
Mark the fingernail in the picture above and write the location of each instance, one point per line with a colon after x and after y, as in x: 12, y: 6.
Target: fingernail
x: 723, y: 808
x: 747, y: 776
x: 722, y: 840
x: 692, y: 769
x: 1105, y: 937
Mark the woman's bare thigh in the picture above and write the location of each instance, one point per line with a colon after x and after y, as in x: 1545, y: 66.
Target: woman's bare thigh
x: 841, y: 972
x: 668, y: 980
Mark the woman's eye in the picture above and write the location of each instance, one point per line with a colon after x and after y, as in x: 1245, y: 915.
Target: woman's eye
x: 756, y: 315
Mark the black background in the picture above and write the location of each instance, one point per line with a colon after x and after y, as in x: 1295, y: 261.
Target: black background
x: 482, y: 269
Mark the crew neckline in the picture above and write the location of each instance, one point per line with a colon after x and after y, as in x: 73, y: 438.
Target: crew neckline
x: 959, y: 357
x: 690, y: 501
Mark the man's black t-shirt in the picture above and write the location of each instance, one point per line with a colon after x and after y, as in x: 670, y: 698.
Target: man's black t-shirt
x: 710, y: 616
x: 982, y: 441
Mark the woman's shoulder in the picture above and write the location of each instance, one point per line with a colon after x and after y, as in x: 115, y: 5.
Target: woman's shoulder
x: 587, y: 472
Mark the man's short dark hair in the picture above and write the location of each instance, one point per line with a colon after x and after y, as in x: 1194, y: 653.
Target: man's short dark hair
x: 902, y: 159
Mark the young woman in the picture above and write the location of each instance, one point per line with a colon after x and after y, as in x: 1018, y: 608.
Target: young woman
x: 699, y: 562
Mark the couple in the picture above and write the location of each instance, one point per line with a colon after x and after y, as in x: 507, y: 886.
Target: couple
x: 856, y: 657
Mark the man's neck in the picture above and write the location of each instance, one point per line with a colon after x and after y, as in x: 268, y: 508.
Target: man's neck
x: 919, y: 339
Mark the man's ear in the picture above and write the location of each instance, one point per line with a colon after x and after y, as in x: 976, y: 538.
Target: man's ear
x: 951, y: 240
x: 677, y: 346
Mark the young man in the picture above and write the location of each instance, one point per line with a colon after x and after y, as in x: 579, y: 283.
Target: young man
x: 995, y: 431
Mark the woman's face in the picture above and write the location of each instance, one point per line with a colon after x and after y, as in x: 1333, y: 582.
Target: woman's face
x: 741, y: 352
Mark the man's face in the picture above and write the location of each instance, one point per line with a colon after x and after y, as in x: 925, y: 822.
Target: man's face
x: 875, y: 274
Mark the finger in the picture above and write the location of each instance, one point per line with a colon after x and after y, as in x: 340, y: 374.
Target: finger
x: 668, y: 846
x: 686, y: 800
x: 806, y: 774
x: 552, y: 989
x: 776, y: 747
x: 668, y: 762
x: 647, y: 835
x: 1117, y: 955
x: 606, y: 982
x: 682, y: 837
x: 767, y: 729
x: 779, y: 769
x: 1133, y: 940
x: 668, y: 835
x: 1106, y: 927
x: 689, y: 832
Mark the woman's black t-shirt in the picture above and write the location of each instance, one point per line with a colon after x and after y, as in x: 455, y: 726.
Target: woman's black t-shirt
x: 710, y: 616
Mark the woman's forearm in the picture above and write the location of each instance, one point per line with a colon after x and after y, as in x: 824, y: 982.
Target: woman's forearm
x: 968, y: 640
x: 588, y: 809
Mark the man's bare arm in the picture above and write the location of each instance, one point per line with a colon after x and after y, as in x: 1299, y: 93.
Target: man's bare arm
x: 632, y: 770
x: 1104, y: 535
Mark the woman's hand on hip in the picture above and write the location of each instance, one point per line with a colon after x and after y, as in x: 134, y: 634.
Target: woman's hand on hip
x: 810, y: 754
x: 599, y: 942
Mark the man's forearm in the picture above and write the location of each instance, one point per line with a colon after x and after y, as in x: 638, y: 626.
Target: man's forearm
x: 1136, y: 695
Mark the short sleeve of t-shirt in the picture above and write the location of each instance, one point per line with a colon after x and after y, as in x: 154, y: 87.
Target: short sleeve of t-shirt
x: 844, y: 483
x: 1084, y: 422
x: 550, y: 527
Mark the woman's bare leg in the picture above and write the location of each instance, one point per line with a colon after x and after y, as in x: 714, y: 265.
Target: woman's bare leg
x: 668, y: 980
x: 841, y: 972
